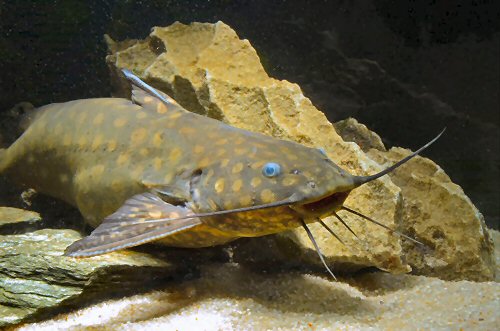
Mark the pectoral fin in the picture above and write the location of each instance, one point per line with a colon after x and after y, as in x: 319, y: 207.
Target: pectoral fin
x: 142, y: 218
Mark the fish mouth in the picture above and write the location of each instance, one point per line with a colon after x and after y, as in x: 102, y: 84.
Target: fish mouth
x: 325, y: 205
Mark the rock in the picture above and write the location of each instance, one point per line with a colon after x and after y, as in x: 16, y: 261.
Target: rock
x: 35, y: 279
x: 351, y: 130
x: 438, y: 212
x: 209, y: 70
x: 15, y: 216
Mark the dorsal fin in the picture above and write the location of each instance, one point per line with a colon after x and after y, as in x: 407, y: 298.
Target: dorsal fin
x: 149, y: 97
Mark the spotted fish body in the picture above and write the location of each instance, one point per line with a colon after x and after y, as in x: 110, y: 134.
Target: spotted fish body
x: 148, y: 170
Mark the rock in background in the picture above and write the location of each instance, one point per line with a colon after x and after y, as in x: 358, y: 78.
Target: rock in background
x: 209, y: 70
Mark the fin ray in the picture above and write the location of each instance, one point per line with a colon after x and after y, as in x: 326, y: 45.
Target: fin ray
x: 147, y: 96
x: 129, y: 226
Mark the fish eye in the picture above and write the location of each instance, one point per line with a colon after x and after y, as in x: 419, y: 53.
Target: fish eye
x: 271, y: 169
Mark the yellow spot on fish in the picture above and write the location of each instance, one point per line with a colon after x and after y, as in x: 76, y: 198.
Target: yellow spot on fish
x: 239, y: 141
x: 224, y: 163
x: 198, y: 149
x: 187, y: 130
x: 258, y: 164
x: 240, y: 151
x: 237, y: 168
x: 141, y: 115
x: 148, y: 99
x: 267, y: 196
x: 157, y: 163
x: 220, y: 152
x: 82, y: 141
x: 289, y: 181
x: 245, y: 200
x: 173, y: 215
x: 255, y: 182
x: 67, y: 139
x: 175, y: 115
x: 138, y: 171
x: 220, y: 142
x: 97, y: 170
x: 161, y: 108
x: 285, y: 150
x: 120, y: 122
x: 237, y: 184
x: 97, y: 142
x: 112, y: 145
x: 219, y: 185
x: 228, y: 204
x: 204, y: 162
x: 123, y: 158
x: 158, y: 139
x: 175, y: 154
x: 155, y: 214
x: 138, y: 136
x: 98, y: 119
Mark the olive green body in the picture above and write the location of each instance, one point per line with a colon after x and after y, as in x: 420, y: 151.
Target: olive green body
x: 97, y: 153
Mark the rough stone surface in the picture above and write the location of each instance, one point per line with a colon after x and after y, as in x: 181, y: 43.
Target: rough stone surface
x: 15, y: 216
x: 36, y: 279
x: 439, y: 213
x: 209, y: 70
x: 351, y: 130
x: 228, y: 297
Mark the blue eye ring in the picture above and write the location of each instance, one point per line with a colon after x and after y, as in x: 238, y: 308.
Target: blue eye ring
x: 271, y: 169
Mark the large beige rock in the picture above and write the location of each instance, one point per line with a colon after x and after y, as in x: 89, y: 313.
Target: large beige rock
x: 439, y: 213
x: 435, y: 210
x: 209, y: 70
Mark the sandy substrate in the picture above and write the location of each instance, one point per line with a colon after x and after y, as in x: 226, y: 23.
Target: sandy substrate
x: 227, y: 297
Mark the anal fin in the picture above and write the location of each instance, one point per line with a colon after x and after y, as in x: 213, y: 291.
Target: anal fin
x: 142, y: 218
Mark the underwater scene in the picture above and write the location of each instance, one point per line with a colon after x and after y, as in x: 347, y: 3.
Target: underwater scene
x: 249, y: 165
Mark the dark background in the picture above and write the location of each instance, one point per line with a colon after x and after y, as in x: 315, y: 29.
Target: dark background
x: 423, y: 64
